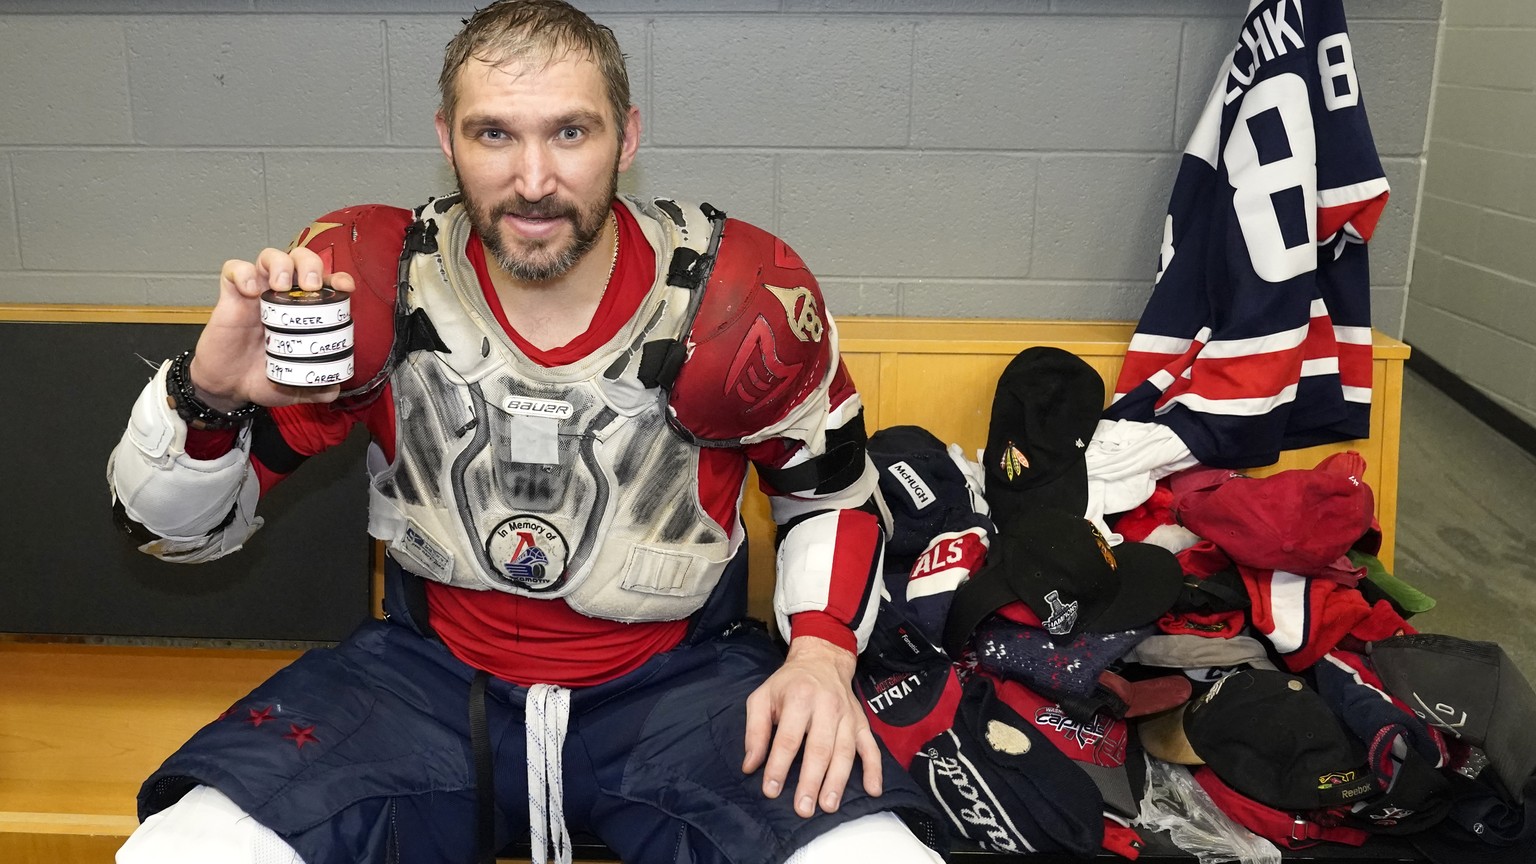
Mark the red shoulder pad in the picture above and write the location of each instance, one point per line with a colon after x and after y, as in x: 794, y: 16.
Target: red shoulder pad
x: 364, y: 242
x: 759, y: 343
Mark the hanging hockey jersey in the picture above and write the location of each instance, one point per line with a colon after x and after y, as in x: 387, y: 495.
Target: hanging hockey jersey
x: 1257, y: 337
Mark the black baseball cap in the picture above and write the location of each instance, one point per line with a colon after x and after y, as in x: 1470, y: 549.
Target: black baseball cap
x: 1047, y: 404
x: 1068, y: 574
x: 1271, y: 737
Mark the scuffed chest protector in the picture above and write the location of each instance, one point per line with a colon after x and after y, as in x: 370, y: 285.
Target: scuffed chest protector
x: 546, y: 482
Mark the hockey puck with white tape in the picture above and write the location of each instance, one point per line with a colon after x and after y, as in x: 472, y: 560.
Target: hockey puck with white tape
x: 320, y: 372
x: 301, y: 310
x: 309, y: 346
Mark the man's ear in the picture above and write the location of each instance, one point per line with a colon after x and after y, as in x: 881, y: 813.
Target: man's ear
x: 631, y: 142
x: 444, y: 136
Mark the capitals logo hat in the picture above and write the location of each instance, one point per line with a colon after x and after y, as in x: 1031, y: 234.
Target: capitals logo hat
x: 1064, y: 570
x: 1001, y: 784
x: 1044, y: 412
x: 1099, y: 745
x: 1470, y: 690
x: 1268, y: 736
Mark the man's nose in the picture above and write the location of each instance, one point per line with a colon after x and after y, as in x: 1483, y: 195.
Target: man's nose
x: 534, y: 177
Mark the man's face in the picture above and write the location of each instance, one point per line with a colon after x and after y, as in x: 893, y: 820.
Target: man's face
x: 537, y: 158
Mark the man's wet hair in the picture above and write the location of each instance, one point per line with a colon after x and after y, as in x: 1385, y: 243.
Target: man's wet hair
x: 538, y: 32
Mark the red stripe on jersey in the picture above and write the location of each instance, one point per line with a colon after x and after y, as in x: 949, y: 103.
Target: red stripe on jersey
x: 1255, y: 376
x: 1141, y: 365
x: 1319, y: 342
x: 1360, y: 215
x: 1356, y: 365
x: 1180, y: 385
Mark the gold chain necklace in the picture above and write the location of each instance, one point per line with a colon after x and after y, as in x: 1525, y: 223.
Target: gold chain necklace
x: 613, y: 264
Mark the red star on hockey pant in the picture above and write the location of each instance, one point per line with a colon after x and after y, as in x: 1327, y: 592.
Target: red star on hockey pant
x: 301, y: 735
x: 259, y: 717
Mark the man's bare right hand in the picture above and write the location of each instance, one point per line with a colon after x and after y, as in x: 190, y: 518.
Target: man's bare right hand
x: 229, y: 367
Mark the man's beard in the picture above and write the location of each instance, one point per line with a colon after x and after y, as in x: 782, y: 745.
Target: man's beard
x: 539, y: 260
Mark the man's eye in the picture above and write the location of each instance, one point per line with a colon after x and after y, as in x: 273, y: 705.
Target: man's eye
x: 569, y: 133
x: 493, y: 134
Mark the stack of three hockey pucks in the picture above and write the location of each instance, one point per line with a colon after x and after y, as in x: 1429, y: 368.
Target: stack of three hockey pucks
x: 309, y: 336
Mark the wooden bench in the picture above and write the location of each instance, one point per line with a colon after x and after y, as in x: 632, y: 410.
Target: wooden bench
x: 81, y: 725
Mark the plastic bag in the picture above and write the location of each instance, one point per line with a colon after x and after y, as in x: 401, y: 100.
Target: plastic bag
x: 1175, y: 803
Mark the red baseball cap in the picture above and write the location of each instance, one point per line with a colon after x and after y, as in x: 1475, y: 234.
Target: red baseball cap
x: 1300, y: 521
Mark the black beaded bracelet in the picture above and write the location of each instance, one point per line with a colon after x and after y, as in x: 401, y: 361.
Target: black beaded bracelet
x: 182, y: 398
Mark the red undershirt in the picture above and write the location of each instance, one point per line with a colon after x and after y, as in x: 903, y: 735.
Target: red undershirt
x: 527, y: 640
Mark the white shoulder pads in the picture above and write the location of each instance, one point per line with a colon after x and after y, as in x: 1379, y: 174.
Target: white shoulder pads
x: 184, y: 500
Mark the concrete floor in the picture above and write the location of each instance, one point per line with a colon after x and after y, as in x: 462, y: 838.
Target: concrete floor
x: 1467, y: 524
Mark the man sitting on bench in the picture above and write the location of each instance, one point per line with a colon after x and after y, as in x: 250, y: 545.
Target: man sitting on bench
x: 564, y: 390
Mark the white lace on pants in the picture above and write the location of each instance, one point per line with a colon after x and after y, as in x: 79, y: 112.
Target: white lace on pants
x: 546, y: 715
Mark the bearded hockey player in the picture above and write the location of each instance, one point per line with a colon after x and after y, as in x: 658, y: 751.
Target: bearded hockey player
x: 564, y: 390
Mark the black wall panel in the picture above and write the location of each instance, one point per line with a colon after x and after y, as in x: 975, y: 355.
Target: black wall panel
x: 66, y: 569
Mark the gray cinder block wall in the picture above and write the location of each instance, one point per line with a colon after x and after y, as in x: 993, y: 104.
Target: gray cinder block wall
x: 954, y: 158
x: 1473, y: 304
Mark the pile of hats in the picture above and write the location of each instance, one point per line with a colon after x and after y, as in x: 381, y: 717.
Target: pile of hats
x: 1242, y: 626
x: 1425, y: 737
